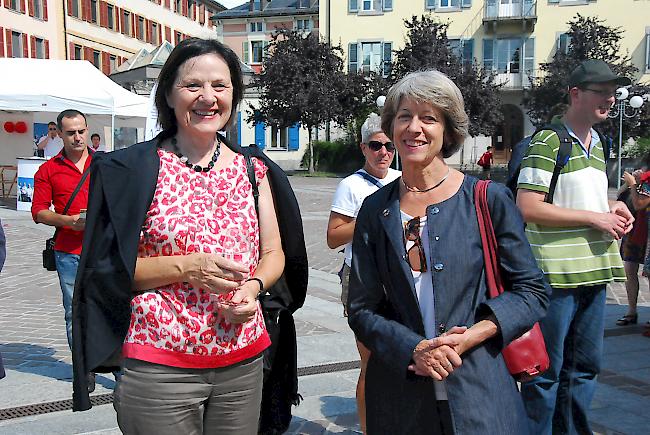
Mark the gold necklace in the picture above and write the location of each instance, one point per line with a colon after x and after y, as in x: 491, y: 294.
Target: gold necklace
x: 416, y: 190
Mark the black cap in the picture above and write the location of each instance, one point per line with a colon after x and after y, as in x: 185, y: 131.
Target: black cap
x: 595, y: 71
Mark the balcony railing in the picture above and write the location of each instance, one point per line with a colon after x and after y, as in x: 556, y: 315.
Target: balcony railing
x: 514, y: 81
x: 524, y: 9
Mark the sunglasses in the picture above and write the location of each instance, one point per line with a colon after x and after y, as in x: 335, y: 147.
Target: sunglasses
x: 415, y: 254
x: 375, y: 145
x: 605, y: 93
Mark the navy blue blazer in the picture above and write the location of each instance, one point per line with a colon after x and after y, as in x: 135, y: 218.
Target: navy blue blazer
x: 385, y: 316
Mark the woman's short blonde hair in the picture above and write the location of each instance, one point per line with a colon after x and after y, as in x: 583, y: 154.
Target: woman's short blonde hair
x: 435, y: 88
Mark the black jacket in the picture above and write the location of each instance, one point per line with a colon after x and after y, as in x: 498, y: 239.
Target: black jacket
x: 121, y: 190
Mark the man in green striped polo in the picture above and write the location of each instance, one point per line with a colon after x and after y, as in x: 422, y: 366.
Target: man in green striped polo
x: 574, y: 241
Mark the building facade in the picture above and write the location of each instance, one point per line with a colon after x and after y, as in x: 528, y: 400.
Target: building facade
x: 248, y: 29
x: 510, y: 37
x: 106, y: 33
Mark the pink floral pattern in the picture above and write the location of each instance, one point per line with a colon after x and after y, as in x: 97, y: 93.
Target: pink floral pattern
x: 191, y: 212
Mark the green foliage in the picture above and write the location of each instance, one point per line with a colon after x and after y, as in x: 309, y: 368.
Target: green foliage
x: 427, y: 47
x: 339, y: 156
x: 590, y: 38
x: 640, y: 149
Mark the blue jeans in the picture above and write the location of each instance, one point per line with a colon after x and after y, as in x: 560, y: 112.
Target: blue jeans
x: 66, y: 267
x: 558, y: 401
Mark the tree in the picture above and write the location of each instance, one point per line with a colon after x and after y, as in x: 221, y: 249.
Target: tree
x: 302, y: 81
x: 589, y: 38
x: 427, y: 47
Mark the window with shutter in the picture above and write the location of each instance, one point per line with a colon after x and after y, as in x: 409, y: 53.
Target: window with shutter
x: 388, y: 5
x: 353, y: 5
x: 432, y: 4
x: 466, y: 3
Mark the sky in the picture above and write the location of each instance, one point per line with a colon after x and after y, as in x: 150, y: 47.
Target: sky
x: 231, y: 3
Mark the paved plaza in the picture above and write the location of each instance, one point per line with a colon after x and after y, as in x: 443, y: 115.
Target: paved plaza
x: 38, y: 362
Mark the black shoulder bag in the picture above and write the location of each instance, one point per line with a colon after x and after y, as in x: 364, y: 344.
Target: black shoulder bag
x: 49, y: 261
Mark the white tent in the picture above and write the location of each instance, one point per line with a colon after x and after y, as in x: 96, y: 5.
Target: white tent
x: 44, y: 85
x: 36, y: 90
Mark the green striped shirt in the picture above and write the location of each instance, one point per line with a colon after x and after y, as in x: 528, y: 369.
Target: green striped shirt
x: 572, y: 256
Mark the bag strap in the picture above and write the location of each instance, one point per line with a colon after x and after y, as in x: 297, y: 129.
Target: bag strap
x: 74, y: 194
x: 369, y: 179
x: 488, y: 239
x: 250, y: 170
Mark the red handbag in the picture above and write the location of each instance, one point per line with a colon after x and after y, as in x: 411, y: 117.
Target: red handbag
x: 525, y: 356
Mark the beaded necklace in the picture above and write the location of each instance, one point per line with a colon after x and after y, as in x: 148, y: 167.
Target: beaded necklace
x: 197, y: 168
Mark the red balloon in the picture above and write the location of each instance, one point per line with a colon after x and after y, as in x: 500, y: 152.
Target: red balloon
x: 9, y: 127
x: 21, y: 127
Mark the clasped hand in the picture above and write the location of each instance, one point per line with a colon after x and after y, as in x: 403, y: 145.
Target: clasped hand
x: 439, y: 357
x: 214, y: 273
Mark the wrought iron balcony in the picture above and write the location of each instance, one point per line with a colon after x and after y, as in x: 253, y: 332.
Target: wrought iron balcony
x: 498, y: 12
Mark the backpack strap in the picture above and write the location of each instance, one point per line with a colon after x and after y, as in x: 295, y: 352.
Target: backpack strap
x: 250, y: 170
x: 563, y: 155
x: 369, y: 179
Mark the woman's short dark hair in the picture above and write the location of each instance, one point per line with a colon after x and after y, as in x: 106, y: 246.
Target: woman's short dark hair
x: 185, y: 50
x: 435, y: 88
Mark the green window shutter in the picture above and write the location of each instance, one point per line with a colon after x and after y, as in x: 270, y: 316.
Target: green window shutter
x: 488, y: 54
x: 387, y: 58
x: 353, y: 5
x: 468, y: 52
x: 353, y: 63
x: 244, y: 50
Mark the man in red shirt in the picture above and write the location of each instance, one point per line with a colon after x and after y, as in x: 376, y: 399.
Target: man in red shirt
x: 54, y: 183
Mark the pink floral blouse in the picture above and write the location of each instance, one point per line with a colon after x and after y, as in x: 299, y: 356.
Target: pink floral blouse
x: 211, y: 212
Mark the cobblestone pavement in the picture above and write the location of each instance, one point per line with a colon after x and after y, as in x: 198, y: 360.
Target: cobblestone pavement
x: 35, y: 352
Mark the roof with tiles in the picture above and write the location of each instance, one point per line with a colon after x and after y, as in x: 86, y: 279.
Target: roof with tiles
x: 271, y: 8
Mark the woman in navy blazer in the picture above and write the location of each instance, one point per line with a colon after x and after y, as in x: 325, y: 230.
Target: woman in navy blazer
x: 418, y: 298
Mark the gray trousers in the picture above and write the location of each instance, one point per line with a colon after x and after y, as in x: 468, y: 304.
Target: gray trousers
x: 157, y: 399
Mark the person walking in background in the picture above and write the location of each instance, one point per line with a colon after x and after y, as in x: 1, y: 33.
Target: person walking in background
x: 178, y: 299
x: 378, y: 152
x: 54, y: 183
x: 574, y: 241
x: 51, y: 144
x: 486, y: 161
x: 418, y: 295
x: 634, y: 246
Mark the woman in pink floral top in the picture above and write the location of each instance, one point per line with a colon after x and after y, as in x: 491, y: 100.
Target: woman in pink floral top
x: 192, y: 354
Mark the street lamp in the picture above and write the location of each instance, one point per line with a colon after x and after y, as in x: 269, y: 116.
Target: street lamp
x: 619, y: 109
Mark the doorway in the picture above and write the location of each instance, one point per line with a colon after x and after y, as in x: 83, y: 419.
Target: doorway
x: 508, y: 133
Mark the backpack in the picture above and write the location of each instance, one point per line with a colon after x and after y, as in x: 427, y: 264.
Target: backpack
x: 563, y: 155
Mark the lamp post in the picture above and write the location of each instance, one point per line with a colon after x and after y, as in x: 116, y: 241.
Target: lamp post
x: 619, y: 109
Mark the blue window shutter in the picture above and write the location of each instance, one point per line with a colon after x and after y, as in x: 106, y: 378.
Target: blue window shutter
x: 239, y: 128
x: 388, y: 5
x: 353, y: 5
x: 432, y: 4
x: 294, y: 137
x: 468, y: 52
x: 467, y: 3
x: 260, y: 134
